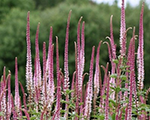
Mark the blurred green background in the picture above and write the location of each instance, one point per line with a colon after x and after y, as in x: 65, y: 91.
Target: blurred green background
x: 54, y: 13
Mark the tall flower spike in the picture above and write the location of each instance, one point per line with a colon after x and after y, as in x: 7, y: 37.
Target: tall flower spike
x: 49, y: 70
x: 44, y: 59
x: 50, y: 86
x: 3, y: 88
x: 17, y: 98
x: 140, y: 54
x: 76, y: 84
x: 37, y: 69
x: 44, y: 97
x: 49, y: 47
x: 81, y: 64
x: 131, y: 63
x: 101, y: 105
x: 66, y: 71
x: 113, y: 50
x: 78, y: 36
x: 9, y: 106
x: 13, y: 109
x: 89, y: 92
x: 107, y: 100
x: 82, y: 58
x: 58, y: 82
x: 24, y: 96
x: 37, y: 57
x: 96, y: 75
x: 29, y: 61
x: 129, y: 117
x: 78, y: 57
x: 122, y: 31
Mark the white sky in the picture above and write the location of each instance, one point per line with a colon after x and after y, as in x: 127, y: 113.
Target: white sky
x: 132, y: 2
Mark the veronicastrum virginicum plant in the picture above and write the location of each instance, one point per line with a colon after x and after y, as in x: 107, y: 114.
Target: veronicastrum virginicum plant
x: 116, y: 97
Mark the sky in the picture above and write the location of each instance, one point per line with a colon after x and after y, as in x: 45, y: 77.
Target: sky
x: 132, y: 2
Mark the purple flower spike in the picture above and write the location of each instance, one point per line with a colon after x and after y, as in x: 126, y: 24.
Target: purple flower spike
x: 27, y: 114
x: 122, y: 31
x: 9, y: 106
x: 17, y: 98
x: 44, y: 90
x: 129, y: 117
x: 66, y: 71
x: 73, y: 85
x: 107, y: 100
x: 24, y: 96
x: 101, y: 105
x: 140, y: 54
x: 13, y: 109
x: 58, y: 82
x: 29, y: 61
x: 89, y: 91
x: 38, y: 67
x: 96, y: 76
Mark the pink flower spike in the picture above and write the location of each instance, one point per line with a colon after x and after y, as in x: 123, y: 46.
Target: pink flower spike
x: 89, y: 92
x: 37, y: 59
x: 26, y: 113
x: 17, y: 98
x: 122, y: 30
x: 101, y: 105
x: 73, y: 85
x: 50, y: 87
x: 58, y: 82
x: 82, y: 52
x: 140, y: 53
x: 113, y: 46
x: 76, y: 83
x: 79, y: 74
x: 44, y: 89
x: 130, y: 96
x: 9, y: 106
x: 44, y: 59
x: 96, y: 75
x: 29, y: 60
x: 4, y: 76
x: 107, y: 100
x: 24, y: 96
x: 13, y: 109
x: 78, y: 36
x: 66, y: 70
x: 50, y: 39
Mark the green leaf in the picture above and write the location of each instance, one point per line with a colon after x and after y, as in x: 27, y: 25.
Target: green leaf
x: 1, y: 114
x: 115, y: 61
x: 124, y: 89
x: 112, y: 101
x: 123, y: 77
x: 113, y: 75
x: 33, y: 118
